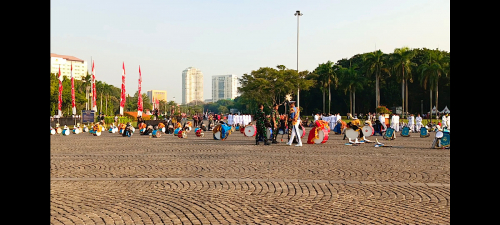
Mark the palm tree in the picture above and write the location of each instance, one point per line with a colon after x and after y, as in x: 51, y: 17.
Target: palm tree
x: 375, y: 63
x: 352, y: 80
x: 402, y: 64
x: 327, y: 76
x: 438, y: 65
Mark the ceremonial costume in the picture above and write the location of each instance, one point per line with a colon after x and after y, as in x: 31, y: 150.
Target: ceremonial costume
x: 260, y: 118
x: 295, y: 126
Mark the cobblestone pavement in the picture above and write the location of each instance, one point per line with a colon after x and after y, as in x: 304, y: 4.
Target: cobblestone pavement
x: 141, y: 180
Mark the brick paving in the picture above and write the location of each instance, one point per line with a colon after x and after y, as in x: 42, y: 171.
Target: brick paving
x: 141, y: 180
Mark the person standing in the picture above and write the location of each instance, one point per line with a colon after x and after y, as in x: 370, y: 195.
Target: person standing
x: 411, y: 123
x: 448, y: 121
x: 418, y: 122
x: 195, y: 120
x: 381, y: 118
x: 295, y: 116
x: 275, y: 119
x: 396, y: 122
x: 260, y: 123
x: 333, y: 121
x: 444, y: 121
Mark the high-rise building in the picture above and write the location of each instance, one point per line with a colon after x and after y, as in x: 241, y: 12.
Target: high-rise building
x: 79, y: 66
x: 224, y: 87
x: 157, y: 94
x: 192, y: 85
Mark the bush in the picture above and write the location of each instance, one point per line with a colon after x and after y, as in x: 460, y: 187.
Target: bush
x: 383, y: 110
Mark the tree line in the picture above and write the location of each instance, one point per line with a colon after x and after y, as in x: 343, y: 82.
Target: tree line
x: 406, y: 77
x: 410, y: 78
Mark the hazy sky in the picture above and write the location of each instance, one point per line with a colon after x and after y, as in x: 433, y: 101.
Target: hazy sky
x: 234, y: 37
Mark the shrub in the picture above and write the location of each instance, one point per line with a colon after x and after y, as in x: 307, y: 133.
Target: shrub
x: 383, y: 110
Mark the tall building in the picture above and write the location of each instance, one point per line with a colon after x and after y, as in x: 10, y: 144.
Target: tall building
x: 157, y: 94
x: 224, y: 87
x: 192, y: 85
x: 79, y: 66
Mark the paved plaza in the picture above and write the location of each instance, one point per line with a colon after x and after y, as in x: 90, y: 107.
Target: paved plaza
x: 112, y: 179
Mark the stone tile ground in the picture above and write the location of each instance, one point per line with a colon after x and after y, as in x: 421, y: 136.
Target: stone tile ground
x: 141, y: 180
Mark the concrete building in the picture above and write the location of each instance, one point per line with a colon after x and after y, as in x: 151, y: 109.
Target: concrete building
x: 224, y: 87
x: 79, y: 66
x: 157, y: 94
x: 192, y: 85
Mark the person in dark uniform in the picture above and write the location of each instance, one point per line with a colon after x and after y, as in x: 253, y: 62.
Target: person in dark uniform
x: 275, y: 119
x: 289, y: 120
x: 260, y: 118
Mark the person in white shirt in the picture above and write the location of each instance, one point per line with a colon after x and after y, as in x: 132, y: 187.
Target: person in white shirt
x: 411, y: 122
x: 448, y: 121
x: 418, y: 121
x: 381, y: 118
x: 333, y: 121
x: 444, y: 121
x: 396, y: 122
x: 316, y: 117
x: 230, y: 120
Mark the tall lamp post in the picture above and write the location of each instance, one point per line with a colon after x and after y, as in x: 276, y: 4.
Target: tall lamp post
x: 298, y: 14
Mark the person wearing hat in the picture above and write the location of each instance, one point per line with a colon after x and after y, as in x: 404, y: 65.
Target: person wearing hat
x: 260, y: 118
x: 295, y: 121
x: 289, y: 120
x: 275, y: 119
x: 355, y: 121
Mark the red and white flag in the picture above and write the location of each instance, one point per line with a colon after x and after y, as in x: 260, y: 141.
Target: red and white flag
x: 94, y: 94
x: 59, y: 102
x: 73, y: 91
x: 122, y: 97
x: 139, y: 99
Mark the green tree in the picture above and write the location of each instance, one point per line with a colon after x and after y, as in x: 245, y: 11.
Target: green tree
x: 352, y: 80
x: 270, y: 86
x: 327, y: 75
x: 437, y: 66
x: 376, y: 63
x: 402, y: 66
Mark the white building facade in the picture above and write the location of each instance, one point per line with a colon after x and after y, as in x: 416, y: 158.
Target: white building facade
x: 224, y: 87
x: 192, y: 85
x: 79, y: 66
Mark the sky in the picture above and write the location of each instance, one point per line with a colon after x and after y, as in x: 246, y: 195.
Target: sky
x: 224, y: 37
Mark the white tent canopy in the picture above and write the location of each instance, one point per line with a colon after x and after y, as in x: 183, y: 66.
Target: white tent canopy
x: 445, y: 110
x: 434, y: 110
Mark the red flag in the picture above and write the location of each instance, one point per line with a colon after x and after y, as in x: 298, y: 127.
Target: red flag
x: 139, y: 99
x: 59, y: 105
x: 94, y: 94
x: 73, y: 91
x: 122, y: 98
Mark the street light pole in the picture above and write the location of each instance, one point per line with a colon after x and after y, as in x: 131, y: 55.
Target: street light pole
x: 298, y: 14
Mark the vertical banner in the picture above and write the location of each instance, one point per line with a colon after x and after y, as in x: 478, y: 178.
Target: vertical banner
x: 139, y: 99
x: 94, y: 94
x: 73, y: 91
x: 122, y: 98
x: 59, y: 102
